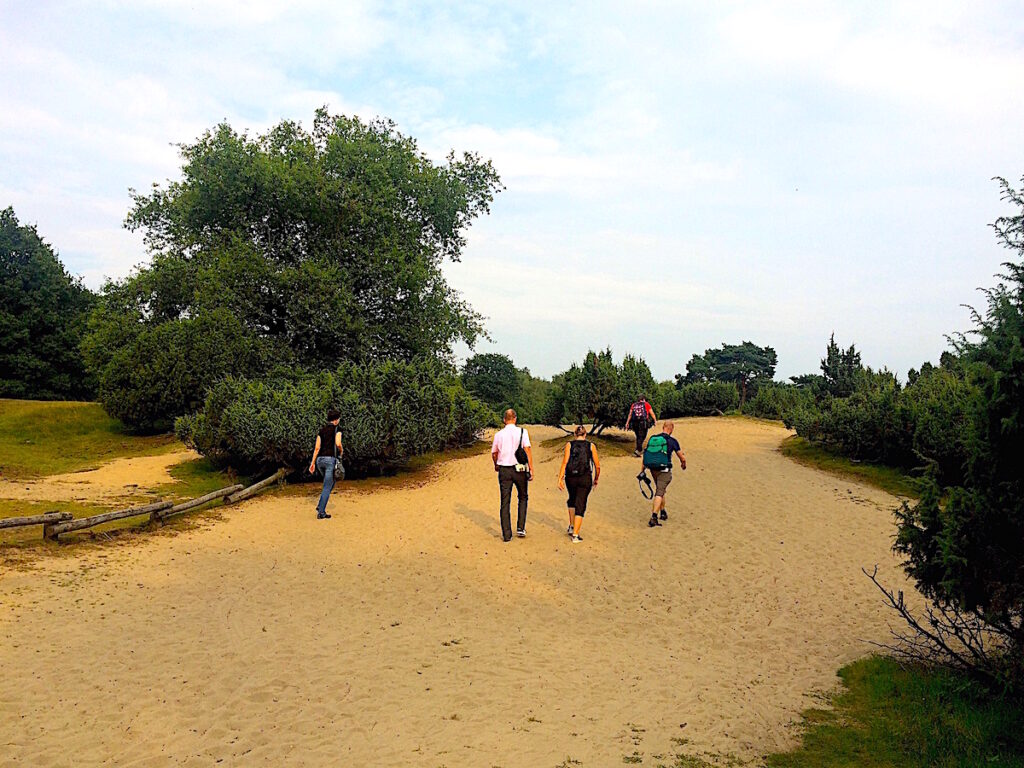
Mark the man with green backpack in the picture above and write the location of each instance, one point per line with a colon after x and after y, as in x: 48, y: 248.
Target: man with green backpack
x: 658, y: 452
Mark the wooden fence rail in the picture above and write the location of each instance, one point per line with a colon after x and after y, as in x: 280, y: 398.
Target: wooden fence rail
x: 56, y: 523
x: 185, y: 506
x: 252, y: 490
x: 44, y: 519
x: 106, y: 517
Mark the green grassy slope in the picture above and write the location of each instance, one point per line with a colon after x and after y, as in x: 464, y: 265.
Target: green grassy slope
x: 49, y: 438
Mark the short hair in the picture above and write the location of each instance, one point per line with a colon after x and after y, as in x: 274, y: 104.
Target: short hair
x: 510, y: 416
x: 333, y: 414
x: 581, y: 430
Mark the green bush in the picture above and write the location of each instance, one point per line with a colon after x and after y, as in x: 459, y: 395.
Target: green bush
x: 937, y: 411
x: 156, y: 372
x: 867, y: 425
x: 777, y: 401
x: 923, y: 424
x: 390, y: 412
x: 707, y: 399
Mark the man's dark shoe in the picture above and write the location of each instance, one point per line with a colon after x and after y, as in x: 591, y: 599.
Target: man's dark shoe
x: 323, y: 516
x: 653, y: 521
x: 664, y: 515
x: 506, y: 540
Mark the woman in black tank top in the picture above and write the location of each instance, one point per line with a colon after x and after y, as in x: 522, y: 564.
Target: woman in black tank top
x: 326, y: 454
x: 575, y: 476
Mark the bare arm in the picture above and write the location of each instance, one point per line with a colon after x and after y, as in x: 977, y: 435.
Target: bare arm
x: 337, y: 443
x: 629, y: 418
x: 682, y: 459
x: 316, y: 450
x: 597, y: 463
x: 561, y: 469
x: 565, y: 460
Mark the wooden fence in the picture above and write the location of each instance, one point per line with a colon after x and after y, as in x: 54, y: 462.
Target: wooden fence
x: 55, y: 523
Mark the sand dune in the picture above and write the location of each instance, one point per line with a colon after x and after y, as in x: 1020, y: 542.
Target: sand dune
x: 404, y: 632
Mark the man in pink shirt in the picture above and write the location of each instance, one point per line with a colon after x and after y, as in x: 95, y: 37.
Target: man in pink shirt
x: 513, y: 461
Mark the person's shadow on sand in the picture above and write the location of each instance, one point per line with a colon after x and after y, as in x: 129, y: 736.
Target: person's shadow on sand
x: 489, y: 522
x: 491, y: 525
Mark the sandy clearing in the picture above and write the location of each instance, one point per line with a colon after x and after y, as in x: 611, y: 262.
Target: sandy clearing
x: 404, y: 632
x: 116, y: 480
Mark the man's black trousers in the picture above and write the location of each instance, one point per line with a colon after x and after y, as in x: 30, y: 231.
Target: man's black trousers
x: 640, y: 428
x: 507, y: 477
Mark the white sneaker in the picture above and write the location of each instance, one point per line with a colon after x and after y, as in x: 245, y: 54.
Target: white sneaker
x: 576, y: 539
x: 521, y: 534
x: 569, y: 530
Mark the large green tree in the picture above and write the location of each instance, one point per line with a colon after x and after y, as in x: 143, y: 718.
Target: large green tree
x: 323, y: 246
x: 42, y: 318
x: 741, y: 364
x: 493, y: 378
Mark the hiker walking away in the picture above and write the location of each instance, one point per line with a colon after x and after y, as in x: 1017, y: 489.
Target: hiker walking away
x: 575, y: 476
x: 513, y: 461
x: 642, y: 417
x: 658, y: 458
x: 327, y: 459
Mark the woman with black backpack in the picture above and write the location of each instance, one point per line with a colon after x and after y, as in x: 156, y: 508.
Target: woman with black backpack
x: 576, y: 477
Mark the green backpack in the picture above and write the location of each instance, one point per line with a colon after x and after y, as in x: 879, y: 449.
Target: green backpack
x: 656, y: 455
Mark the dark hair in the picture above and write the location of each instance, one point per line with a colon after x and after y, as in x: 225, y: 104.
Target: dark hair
x: 581, y: 430
x: 333, y: 414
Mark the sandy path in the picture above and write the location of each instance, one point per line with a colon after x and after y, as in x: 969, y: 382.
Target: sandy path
x: 404, y: 632
x: 116, y: 480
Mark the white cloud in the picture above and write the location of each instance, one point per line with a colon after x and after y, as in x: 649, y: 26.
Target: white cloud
x: 668, y: 139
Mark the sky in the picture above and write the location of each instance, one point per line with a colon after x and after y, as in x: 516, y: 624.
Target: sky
x: 677, y: 175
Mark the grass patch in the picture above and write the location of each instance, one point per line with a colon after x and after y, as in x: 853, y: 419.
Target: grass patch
x: 196, y: 477
x: 888, y: 479
x: 50, y: 438
x: 891, y: 716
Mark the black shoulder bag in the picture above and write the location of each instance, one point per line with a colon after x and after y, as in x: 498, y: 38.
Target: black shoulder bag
x: 339, y: 468
x: 521, y: 455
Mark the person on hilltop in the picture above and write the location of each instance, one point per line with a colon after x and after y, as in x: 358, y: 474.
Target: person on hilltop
x: 513, y: 461
x: 575, y: 475
x: 642, y: 417
x: 658, y: 458
x: 327, y: 459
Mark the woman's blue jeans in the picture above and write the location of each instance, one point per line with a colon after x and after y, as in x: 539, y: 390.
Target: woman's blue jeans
x: 325, y: 465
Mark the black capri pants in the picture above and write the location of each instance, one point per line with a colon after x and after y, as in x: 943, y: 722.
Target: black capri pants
x: 578, y: 487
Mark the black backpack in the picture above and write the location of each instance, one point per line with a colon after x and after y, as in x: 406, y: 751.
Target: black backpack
x: 579, y: 458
